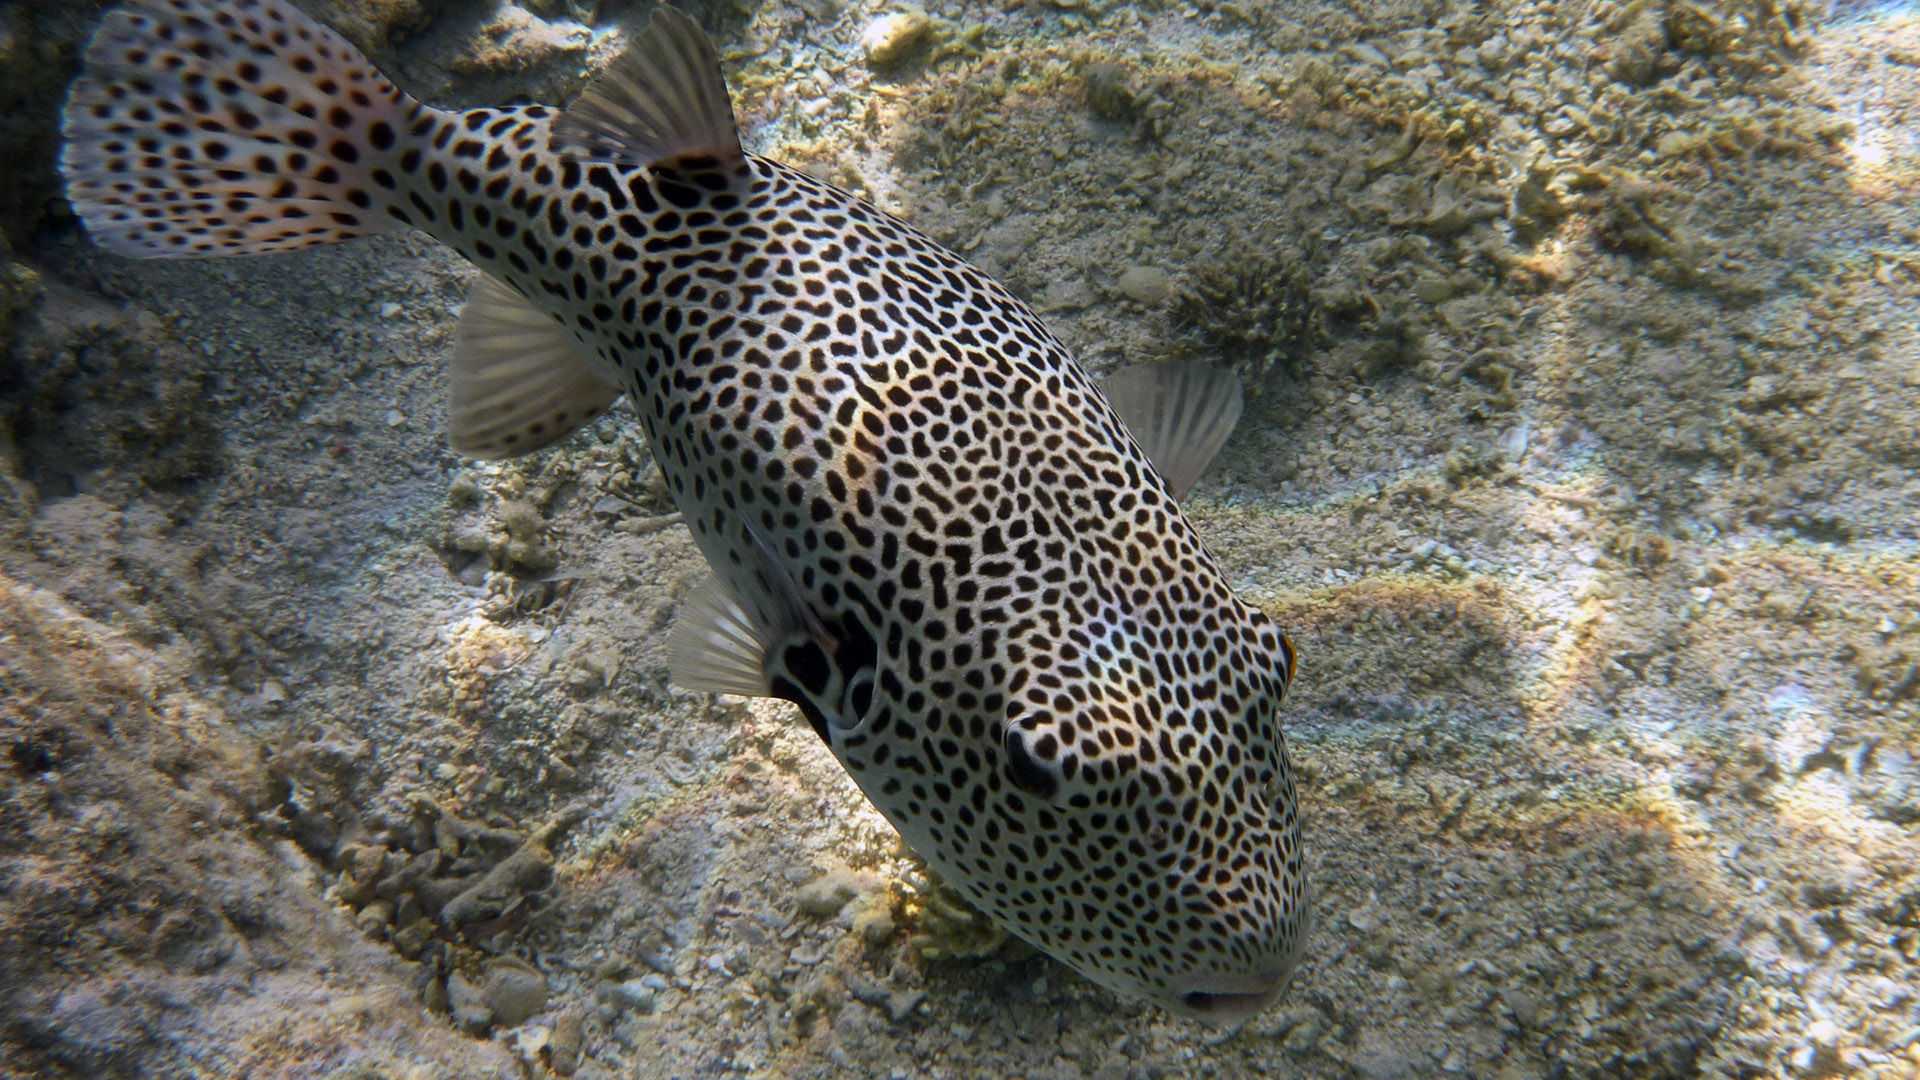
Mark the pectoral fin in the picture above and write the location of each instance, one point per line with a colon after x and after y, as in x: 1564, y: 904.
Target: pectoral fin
x: 728, y: 633
x: 717, y: 646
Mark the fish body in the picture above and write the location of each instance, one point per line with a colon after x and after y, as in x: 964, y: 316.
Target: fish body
x: 931, y: 530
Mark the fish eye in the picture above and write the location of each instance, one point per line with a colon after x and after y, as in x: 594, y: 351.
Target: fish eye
x: 855, y: 700
x: 1027, y: 774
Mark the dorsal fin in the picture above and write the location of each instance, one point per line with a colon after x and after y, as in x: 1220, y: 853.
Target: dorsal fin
x: 519, y: 382
x: 663, y: 100
x: 1180, y: 414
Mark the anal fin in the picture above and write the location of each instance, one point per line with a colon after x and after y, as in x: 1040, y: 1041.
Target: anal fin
x: 519, y: 382
x: 1180, y: 414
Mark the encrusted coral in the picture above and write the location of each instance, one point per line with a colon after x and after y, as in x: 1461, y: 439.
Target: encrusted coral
x: 1257, y: 311
x: 941, y: 924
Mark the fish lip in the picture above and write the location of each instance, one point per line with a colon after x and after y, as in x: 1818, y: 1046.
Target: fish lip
x: 1230, y: 999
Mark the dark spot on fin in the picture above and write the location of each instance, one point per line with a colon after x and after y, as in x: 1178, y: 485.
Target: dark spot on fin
x: 816, y: 719
x: 180, y: 140
x: 807, y: 662
x: 736, y: 637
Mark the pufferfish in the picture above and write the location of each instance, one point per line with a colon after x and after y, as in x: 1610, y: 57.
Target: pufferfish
x: 958, y: 555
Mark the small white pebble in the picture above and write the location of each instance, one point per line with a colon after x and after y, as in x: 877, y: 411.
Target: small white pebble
x: 890, y: 39
x: 1145, y: 284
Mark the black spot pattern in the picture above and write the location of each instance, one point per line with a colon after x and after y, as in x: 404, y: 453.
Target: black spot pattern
x: 1036, y: 673
x: 1072, y: 717
x: 232, y: 130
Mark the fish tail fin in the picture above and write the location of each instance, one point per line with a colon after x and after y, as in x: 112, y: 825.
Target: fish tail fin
x: 228, y: 128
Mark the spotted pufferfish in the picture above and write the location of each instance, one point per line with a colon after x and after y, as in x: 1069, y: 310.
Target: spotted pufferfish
x: 958, y: 555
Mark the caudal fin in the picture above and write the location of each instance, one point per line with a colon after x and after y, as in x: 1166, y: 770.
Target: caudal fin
x: 231, y: 128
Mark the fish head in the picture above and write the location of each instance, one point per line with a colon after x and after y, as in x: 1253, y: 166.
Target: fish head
x: 1114, y: 789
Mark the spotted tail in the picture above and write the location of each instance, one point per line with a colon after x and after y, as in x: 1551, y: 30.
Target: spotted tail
x: 237, y: 128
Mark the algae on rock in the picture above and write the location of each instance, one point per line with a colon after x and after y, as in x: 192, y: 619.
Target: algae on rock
x: 1258, y: 311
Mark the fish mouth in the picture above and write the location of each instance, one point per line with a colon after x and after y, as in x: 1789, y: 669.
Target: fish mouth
x: 1231, y: 999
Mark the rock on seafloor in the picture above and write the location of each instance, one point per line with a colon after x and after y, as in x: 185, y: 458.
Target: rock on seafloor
x: 895, y: 37
x: 1144, y: 284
